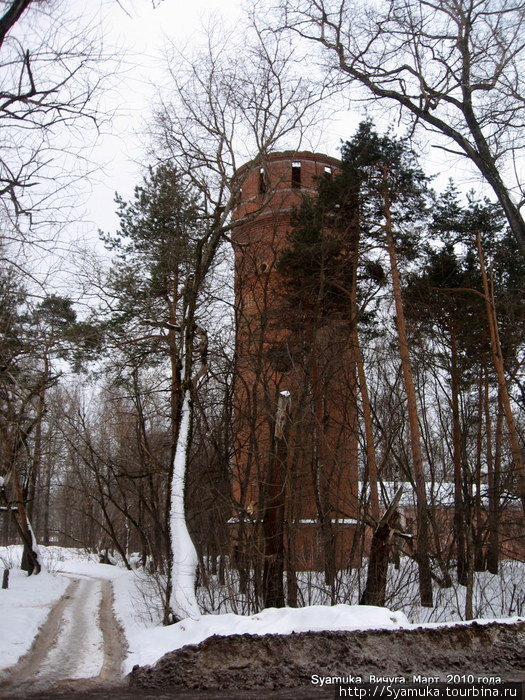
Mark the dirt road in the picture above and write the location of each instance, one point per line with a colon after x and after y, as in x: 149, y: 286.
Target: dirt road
x: 80, y: 646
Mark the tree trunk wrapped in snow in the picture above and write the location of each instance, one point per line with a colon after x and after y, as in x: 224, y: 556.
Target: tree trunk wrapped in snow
x: 35, y: 550
x: 183, y: 602
x: 184, y: 560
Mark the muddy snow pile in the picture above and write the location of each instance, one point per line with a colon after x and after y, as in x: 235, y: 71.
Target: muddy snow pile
x: 298, y: 660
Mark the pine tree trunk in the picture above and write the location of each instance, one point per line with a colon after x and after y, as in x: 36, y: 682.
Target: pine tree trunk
x: 493, y: 486
x: 497, y: 357
x: 371, y: 461
x: 478, y: 525
x: 422, y: 544
x: 459, y: 507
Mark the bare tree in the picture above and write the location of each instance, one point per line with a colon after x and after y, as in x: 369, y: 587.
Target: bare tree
x: 234, y: 100
x: 454, y: 67
x: 49, y: 85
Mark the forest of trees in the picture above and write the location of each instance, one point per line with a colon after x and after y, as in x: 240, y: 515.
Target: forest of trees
x: 429, y: 289
x: 117, y: 415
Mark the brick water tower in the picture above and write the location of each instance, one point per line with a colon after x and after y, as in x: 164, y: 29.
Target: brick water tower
x: 295, y: 388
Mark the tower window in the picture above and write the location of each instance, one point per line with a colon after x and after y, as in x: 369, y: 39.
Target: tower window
x: 296, y: 174
x: 328, y: 172
x: 263, y: 183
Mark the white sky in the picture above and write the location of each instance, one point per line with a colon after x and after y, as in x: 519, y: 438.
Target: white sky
x: 140, y: 31
x: 137, y: 31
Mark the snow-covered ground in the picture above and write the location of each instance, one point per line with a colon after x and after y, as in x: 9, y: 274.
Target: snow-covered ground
x: 77, y: 634
x: 150, y: 644
x: 25, y: 605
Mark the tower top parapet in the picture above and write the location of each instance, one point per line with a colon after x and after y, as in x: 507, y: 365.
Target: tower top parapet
x: 276, y: 183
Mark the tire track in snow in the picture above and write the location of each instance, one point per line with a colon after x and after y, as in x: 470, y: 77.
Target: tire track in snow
x: 80, y: 646
x: 78, y: 650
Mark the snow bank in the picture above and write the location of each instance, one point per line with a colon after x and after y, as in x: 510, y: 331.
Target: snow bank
x: 89, y: 569
x: 149, y: 645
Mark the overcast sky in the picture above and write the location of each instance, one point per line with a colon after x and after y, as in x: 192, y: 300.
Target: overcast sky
x: 138, y: 31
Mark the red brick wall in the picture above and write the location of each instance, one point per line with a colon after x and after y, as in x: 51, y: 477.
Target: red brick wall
x: 266, y: 365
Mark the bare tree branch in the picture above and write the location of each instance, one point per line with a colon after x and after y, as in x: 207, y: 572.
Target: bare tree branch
x: 455, y: 68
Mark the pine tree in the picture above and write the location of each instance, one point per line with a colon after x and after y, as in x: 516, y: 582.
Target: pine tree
x: 155, y: 257
x: 32, y: 336
x: 393, y: 196
x: 391, y: 201
x: 452, y: 306
x: 445, y: 312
